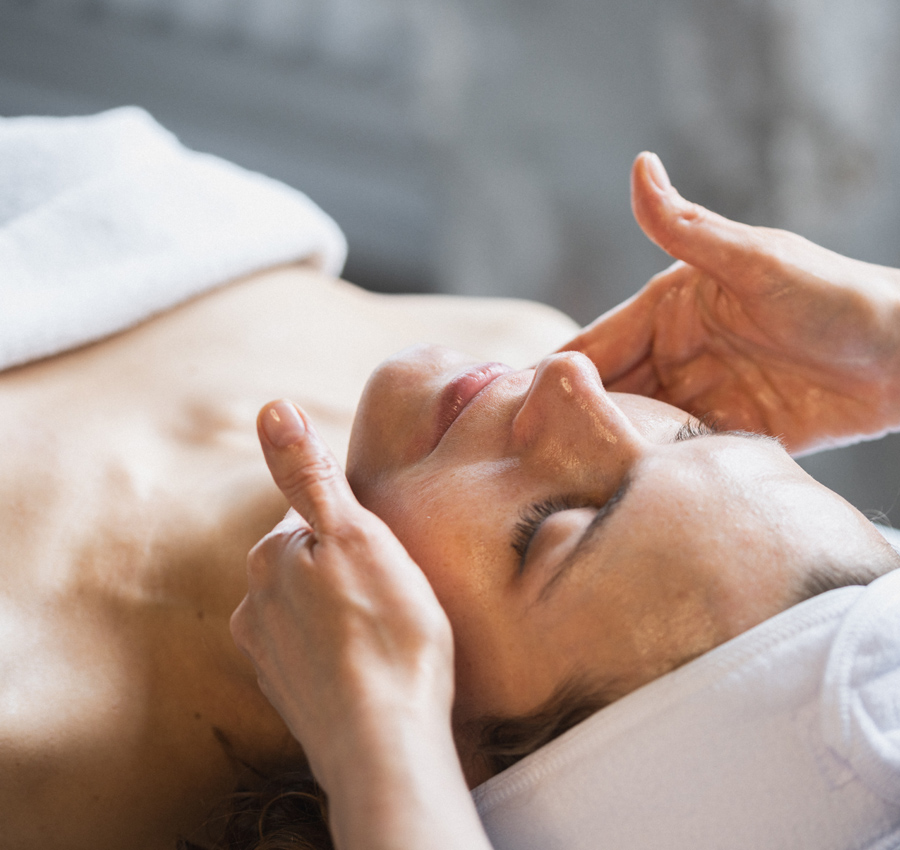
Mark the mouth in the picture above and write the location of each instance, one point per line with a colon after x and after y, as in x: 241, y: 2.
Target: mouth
x: 460, y: 392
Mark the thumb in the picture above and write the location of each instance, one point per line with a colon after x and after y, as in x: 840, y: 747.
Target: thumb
x: 726, y: 249
x: 304, y: 468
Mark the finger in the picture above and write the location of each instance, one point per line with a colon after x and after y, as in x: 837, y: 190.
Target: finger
x: 618, y: 340
x: 292, y: 531
x: 729, y: 250
x: 642, y: 380
x: 304, y: 468
x: 622, y: 338
x: 291, y: 524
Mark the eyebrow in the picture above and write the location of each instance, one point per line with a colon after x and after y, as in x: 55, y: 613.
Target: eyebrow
x: 691, y: 430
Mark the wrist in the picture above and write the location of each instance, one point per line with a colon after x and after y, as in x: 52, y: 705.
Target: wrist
x: 404, y: 789
x: 381, y: 745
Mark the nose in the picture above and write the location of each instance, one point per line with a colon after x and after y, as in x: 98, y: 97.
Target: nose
x: 568, y: 418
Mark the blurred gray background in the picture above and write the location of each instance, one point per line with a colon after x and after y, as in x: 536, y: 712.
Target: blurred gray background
x: 483, y: 146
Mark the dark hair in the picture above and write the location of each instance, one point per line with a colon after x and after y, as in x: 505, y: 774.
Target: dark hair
x: 284, y: 812
x: 502, y: 741
x: 290, y: 811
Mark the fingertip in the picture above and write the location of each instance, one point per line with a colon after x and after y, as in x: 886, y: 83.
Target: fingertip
x: 303, y: 467
x: 281, y: 423
x: 682, y: 229
x: 652, y: 192
x: 650, y: 178
x: 650, y: 202
x: 650, y: 167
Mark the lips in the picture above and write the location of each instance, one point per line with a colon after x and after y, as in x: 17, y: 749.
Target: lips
x: 460, y: 391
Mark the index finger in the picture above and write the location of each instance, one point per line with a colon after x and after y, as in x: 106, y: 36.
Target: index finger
x: 622, y: 338
x: 304, y: 468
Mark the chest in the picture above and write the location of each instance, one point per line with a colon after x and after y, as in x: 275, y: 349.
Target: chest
x: 125, y: 708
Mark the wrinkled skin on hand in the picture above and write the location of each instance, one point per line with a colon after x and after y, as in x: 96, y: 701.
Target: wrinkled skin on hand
x: 753, y: 328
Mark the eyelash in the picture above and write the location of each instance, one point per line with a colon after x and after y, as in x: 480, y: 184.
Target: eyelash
x: 530, y: 520
x: 695, y: 428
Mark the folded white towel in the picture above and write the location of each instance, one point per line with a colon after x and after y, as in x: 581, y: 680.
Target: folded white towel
x: 106, y: 220
x: 785, y: 738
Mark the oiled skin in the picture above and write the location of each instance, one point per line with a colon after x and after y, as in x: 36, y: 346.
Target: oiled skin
x: 132, y: 488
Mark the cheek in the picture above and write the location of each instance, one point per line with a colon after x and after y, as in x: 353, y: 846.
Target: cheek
x: 458, y: 547
x: 455, y: 525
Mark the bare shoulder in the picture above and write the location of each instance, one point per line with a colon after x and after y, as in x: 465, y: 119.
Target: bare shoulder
x: 513, y: 330
x: 367, y: 327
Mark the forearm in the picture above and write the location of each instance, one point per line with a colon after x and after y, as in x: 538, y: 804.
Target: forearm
x: 407, y: 794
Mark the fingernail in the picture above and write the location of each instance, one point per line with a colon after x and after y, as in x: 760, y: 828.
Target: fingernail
x: 658, y: 173
x: 282, y: 424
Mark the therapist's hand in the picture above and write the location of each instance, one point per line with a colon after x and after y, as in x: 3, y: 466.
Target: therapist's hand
x: 756, y: 329
x: 342, y: 626
x: 353, y: 649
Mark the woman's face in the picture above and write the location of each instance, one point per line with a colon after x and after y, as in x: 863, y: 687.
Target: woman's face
x: 570, y: 532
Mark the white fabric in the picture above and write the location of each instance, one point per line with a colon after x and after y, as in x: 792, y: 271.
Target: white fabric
x: 785, y: 737
x: 106, y: 220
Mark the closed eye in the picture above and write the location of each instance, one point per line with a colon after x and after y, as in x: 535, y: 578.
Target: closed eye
x: 532, y: 517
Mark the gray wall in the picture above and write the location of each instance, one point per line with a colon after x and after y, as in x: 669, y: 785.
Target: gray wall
x: 483, y: 146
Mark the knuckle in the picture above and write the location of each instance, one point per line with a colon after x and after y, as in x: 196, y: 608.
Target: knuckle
x: 242, y: 630
x: 289, y: 524
x: 257, y: 551
x: 691, y: 217
x: 311, y: 473
x: 259, y: 559
x: 238, y: 626
x: 278, y: 545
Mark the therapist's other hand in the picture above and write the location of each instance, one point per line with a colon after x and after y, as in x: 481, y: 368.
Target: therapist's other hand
x: 754, y: 328
x: 348, y: 640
